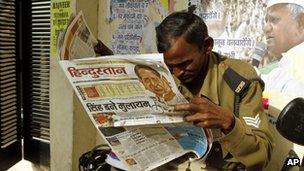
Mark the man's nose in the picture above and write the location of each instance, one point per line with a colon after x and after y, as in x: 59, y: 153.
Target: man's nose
x: 267, y: 28
x: 155, y: 82
x: 178, y: 71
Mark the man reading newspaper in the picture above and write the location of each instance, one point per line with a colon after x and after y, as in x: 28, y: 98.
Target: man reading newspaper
x: 225, y: 94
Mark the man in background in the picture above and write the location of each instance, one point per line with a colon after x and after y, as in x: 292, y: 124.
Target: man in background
x: 284, y: 31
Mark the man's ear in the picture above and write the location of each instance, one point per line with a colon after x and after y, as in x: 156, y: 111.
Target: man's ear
x: 301, y: 21
x: 208, y: 45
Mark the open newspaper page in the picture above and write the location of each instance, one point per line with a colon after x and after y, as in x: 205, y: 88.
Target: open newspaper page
x: 78, y: 41
x: 148, y: 147
x: 125, y: 90
x: 137, y: 92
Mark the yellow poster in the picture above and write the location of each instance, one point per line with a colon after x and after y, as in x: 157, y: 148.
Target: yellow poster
x: 165, y: 4
x: 60, y: 15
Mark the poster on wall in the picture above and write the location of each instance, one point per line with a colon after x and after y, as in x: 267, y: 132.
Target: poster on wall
x: 236, y: 26
x: 139, y: 19
x: 60, y: 16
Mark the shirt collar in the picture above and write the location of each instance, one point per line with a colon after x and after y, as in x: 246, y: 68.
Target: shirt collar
x: 291, y: 56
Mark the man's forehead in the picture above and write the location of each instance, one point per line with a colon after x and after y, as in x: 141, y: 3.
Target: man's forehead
x: 178, y: 49
x: 277, y: 2
x: 148, y: 71
x: 277, y: 9
x: 144, y: 70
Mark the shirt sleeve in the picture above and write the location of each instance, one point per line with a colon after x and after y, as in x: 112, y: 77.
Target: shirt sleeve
x: 250, y: 141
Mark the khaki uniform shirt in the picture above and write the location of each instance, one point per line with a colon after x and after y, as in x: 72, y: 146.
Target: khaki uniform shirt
x: 249, y: 144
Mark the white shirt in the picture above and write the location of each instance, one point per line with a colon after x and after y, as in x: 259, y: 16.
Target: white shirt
x: 286, y: 82
x: 288, y: 77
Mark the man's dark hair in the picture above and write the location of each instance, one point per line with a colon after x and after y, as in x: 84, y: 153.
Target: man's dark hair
x: 138, y: 67
x: 178, y: 24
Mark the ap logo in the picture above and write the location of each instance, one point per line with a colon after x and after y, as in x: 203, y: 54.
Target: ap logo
x: 292, y: 161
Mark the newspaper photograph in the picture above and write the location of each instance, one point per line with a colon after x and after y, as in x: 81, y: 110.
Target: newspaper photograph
x: 125, y: 90
x: 78, y: 40
x: 148, y: 147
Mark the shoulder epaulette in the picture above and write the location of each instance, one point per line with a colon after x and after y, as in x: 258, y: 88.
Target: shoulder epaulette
x: 261, y: 82
x: 238, y: 84
x: 235, y: 81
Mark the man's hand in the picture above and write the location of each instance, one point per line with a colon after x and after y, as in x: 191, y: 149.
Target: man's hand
x: 102, y: 49
x: 206, y: 114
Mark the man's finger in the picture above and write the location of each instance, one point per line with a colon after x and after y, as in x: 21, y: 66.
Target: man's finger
x: 208, y: 124
x: 196, y: 117
x: 199, y: 100
x: 200, y: 117
x: 187, y: 107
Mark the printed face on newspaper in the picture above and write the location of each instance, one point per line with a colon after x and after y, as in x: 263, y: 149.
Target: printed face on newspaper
x: 125, y: 90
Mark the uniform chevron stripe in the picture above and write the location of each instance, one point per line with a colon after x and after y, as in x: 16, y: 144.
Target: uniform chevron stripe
x: 253, y: 121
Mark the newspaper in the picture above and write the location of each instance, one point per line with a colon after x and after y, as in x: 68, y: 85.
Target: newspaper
x: 78, y: 41
x: 113, y: 94
x: 129, y: 99
x: 148, y: 147
x: 125, y: 90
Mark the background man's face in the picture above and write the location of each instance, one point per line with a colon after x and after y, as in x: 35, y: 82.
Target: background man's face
x: 153, y: 82
x: 281, y: 29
